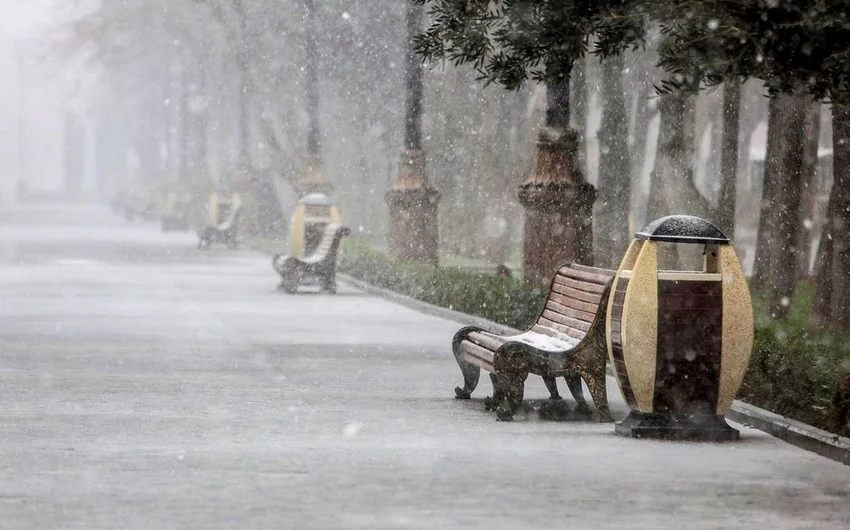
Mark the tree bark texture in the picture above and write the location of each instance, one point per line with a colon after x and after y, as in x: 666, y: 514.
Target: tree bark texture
x: 672, y: 191
x: 579, y: 104
x: 808, y: 186
x: 777, y: 253
x: 726, y: 200
x: 611, y: 233
x: 832, y: 280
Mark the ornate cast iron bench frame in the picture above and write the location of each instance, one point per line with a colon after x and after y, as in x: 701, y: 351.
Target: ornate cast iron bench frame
x: 567, y: 340
x: 321, y: 263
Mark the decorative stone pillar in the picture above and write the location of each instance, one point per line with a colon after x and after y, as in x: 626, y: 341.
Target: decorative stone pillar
x: 412, y: 229
x: 558, y: 206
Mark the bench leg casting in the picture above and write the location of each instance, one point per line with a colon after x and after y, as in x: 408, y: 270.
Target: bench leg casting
x: 492, y: 402
x: 470, y: 372
x: 589, y: 363
x: 574, y: 384
x: 552, y: 386
x: 512, y: 369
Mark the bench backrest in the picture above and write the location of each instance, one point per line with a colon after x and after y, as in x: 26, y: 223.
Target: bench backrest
x: 329, y: 245
x: 574, y: 298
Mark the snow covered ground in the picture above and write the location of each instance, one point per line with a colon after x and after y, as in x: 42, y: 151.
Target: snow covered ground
x: 146, y: 384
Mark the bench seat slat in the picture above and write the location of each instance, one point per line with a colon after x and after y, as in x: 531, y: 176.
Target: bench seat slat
x: 564, y: 320
x: 563, y: 311
x: 472, y: 350
x: 486, y: 340
x: 583, y: 276
x: 545, y: 322
x: 572, y: 303
x: 579, y: 285
x: 563, y: 290
x: 595, y: 270
x: 543, y: 330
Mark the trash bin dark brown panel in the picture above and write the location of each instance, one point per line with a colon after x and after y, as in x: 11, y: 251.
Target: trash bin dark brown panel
x: 690, y: 324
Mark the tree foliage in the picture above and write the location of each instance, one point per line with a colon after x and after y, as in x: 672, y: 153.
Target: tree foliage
x: 789, y: 44
x: 510, y: 41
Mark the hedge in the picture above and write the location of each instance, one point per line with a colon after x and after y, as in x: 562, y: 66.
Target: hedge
x: 792, y: 369
x: 504, y: 300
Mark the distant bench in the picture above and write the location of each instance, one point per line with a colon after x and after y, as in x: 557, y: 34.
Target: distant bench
x: 320, y: 264
x: 223, y: 232
x: 568, y: 340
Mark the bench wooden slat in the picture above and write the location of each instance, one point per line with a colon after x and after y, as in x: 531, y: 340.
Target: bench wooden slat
x: 563, y: 311
x: 550, y: 317
x: 591, y: 298
x: 566, y: 330
x: 579, y: 285
x: 590, y: 277
x: 573, y: 303
x: 473, y: 350
x: 543, y: 330
x: 595, y: 270
x: 488, y: 341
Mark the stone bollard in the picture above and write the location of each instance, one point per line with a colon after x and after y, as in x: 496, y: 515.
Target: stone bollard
x: 679, y: 341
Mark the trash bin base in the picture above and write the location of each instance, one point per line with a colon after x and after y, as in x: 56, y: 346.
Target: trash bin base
x: 701, y: 427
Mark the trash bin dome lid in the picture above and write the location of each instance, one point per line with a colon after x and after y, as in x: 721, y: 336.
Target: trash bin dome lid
x: 683, y: 229
x: 316, y: 199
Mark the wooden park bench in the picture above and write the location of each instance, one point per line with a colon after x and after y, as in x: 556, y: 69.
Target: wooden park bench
x: 568, y: 340
x: 223, y: 232
x: 320, y: 264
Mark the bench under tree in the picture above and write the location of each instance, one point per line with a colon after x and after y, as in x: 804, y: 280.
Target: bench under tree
x: 321, y: 264
x: 567, y: 340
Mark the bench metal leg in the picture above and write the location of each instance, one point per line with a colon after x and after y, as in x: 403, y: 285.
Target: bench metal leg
x: 590, y: 365
x: 512, y: 368
x: 492, y: 402
x: 574, y: 384
x: 552, y: 385
x: 470, y: 372
x: 329, y: 282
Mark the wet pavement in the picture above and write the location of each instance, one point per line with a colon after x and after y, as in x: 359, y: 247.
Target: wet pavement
x: 147, y: 384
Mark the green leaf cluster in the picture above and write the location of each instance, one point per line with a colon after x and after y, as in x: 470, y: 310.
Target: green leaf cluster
x: 789, y: 44
x: 510, y: 41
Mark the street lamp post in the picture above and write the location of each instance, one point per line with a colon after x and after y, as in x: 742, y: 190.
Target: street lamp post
x: 312, y: 179
x: 412, y: 233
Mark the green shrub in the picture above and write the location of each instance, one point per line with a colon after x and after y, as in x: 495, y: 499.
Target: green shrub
x: 504, y: 300
x: 792, y: 372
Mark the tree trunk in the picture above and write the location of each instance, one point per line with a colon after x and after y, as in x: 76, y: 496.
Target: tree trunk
x: 808, y: 187
x: 776, y: 251
x: 832, y: 297
x: 579, y: 104
x: 611, y: 233
x: 726, y: 201
x: 672, y: 190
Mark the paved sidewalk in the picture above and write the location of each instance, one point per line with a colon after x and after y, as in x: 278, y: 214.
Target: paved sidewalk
x: 146, y: 384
